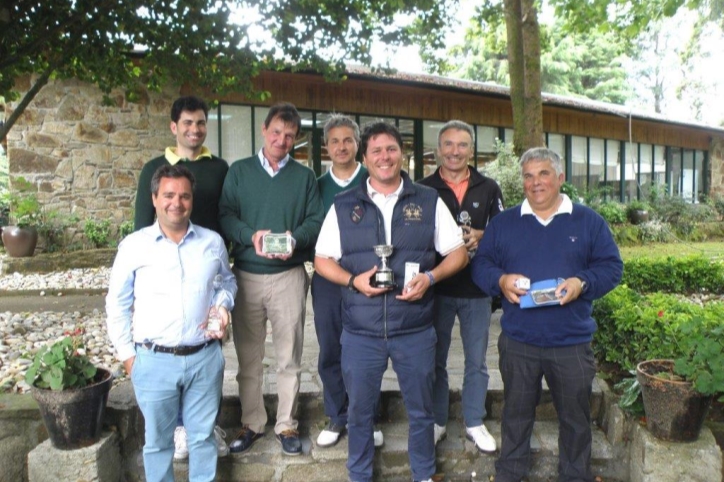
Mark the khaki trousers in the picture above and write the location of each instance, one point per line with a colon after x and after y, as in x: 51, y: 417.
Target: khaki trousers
x: 280, y: 298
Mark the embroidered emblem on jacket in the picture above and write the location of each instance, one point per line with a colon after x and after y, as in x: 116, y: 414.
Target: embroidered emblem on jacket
x: 412, y: 212
x: 357, y: 214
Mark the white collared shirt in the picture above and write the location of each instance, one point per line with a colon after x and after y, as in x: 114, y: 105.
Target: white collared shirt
x: 163, y: 290
x: 266, y: 165
x: 345, y: 182
x: 566, y: 207
x: 448, y: 235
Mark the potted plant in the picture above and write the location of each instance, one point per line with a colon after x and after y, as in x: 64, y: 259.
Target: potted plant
x: 638, y: 211
x: 21, y: 236
x: 71, y: 392
x: 677, y: 393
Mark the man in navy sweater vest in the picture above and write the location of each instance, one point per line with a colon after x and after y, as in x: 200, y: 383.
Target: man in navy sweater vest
x: 547, y: 237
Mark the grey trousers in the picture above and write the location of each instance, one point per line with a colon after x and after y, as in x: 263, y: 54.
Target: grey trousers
x: 569, y: 373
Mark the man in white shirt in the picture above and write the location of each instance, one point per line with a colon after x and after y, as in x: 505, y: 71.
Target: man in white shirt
x: 393, y: 321
x: 166, y: 280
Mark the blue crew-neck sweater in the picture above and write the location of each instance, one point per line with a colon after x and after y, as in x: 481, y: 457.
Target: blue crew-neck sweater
x: 579, y: 244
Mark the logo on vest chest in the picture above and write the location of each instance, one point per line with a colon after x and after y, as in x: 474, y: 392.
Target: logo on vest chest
x: 357, y: 214
x: 412, y: 212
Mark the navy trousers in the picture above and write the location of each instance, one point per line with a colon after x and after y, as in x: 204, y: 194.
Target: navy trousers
x: 364, y: 361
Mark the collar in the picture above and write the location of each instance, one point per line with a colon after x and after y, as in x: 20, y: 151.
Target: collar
x: 372, y: 192
x: 345, y: 182
x: 465, y: 179
x: 265, y: 162
x: 158, y: 234
x: 174, y: 158
x: 566, y: 207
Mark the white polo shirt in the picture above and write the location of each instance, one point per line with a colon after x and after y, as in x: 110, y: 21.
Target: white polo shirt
x: 448, y: 235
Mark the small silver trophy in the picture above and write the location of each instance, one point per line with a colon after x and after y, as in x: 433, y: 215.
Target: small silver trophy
x: 465, y: 223
x: 213, y: 325
x: 384, y: 277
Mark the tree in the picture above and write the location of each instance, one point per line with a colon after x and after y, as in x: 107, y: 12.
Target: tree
x: 626, y: 18
x: 579, y: 64
x: 521, y: 20
x: 217, y: 45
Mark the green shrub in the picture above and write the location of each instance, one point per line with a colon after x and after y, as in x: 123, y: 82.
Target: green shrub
x: 97, y: 232
x: 54, y: 230
x: 571, y: 191
x: 506, y: 172
x: 634, y: 327
x: 655, y: 232
x: 612, y: 212
x: 125, y: 229
x: 684, y: 274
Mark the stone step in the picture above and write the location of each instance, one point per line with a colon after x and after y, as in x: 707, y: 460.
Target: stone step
x: 311, y: 406
x: 457, y: 458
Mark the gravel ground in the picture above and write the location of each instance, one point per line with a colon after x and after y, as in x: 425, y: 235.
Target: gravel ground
x: 22, y: 334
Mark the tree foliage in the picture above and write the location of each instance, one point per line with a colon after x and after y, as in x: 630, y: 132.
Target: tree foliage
x: 217, y: 45
x: 579, y: 64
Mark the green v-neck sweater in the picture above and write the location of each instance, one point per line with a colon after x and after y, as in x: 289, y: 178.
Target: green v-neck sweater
x: 252, y: 200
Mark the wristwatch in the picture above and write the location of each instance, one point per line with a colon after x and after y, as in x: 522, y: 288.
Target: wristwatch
x: 350, y: 284
x: 584, y: 286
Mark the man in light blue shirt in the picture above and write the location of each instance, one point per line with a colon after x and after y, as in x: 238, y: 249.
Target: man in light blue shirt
x: 165, y: 281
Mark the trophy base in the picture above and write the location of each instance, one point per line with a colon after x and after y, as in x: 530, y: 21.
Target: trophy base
x: 384, y: 280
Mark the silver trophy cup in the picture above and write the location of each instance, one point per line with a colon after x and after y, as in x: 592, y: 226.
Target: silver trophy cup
x: 384, y: 277
x: 465, y: 223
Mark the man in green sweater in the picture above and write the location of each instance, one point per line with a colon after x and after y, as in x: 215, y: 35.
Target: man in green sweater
x: 188, y: 125
x: 270, y: 193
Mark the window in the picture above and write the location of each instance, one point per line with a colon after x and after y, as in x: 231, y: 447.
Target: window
x: 486, y: 137
x: 579, y: 154
x: 646, y: 152
x: 613, y: 169
x: 234, y: 122
x: 557, y: 143
x: 596, y: 160
x: 430, y: 131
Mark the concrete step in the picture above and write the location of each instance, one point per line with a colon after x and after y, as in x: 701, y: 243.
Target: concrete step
x: 457, y: 458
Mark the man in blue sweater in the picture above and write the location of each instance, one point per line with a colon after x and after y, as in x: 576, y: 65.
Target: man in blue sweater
x: 547, y: 237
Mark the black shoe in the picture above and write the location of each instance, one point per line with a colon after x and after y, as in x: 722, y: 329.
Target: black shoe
x: 244, y: 440
x: 330, y: 435
x: 290, y: 442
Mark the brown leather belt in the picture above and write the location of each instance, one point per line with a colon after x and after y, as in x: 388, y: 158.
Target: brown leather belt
x: 175, y: 350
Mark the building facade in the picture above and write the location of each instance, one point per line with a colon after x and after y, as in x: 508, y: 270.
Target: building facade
x: 85, y: 157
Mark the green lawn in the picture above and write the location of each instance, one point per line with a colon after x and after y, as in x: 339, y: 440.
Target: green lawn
x: 714, y: 249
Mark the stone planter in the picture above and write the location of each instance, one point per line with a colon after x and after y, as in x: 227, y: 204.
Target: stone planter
x: 674, y: 410
x: 74, y: 418
x: 19, y: 242
x: 639, y: 216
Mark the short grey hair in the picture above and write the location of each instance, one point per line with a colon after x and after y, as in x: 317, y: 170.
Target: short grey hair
x: 457, y: 125
x: 340, y: 120
x: 542, y: 154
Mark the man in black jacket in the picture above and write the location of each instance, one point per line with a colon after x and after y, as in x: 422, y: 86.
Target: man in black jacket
x: 473, y: 200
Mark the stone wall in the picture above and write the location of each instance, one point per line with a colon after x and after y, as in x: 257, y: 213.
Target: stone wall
x: 84, y: 157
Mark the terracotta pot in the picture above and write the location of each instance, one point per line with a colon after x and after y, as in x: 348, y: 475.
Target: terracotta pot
x: 19, y: 242
x: 674, y: 410
x: 74, y: 418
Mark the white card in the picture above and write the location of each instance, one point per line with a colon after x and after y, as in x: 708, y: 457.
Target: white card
x: 411, y: 270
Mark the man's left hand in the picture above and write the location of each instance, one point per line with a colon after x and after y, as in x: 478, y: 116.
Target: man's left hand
x: 225, y: 321
x: 573, y: 287
x: 415, y: 289
x: 472, y: 238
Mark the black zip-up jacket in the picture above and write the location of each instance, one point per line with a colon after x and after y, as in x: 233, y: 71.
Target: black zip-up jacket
x: 483, y: 200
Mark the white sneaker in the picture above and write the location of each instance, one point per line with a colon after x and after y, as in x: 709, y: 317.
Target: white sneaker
x: 330, y: 435
x: 379, y: 438
x: 221, y: 447
x: 440, y: 433
x: 181, y: 448
x: 481, y: 438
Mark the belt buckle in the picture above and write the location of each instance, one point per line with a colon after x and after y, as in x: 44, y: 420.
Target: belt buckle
x: 177, y: 350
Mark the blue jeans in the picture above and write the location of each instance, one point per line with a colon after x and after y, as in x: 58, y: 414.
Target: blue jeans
x: 364, y: 361
x: 161, y: 382
x: 474, y: 316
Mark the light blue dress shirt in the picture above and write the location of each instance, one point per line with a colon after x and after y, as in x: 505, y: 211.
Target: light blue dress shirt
x: 161, y: 291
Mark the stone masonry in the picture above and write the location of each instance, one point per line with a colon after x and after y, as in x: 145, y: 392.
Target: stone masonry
x: 83, y: 156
